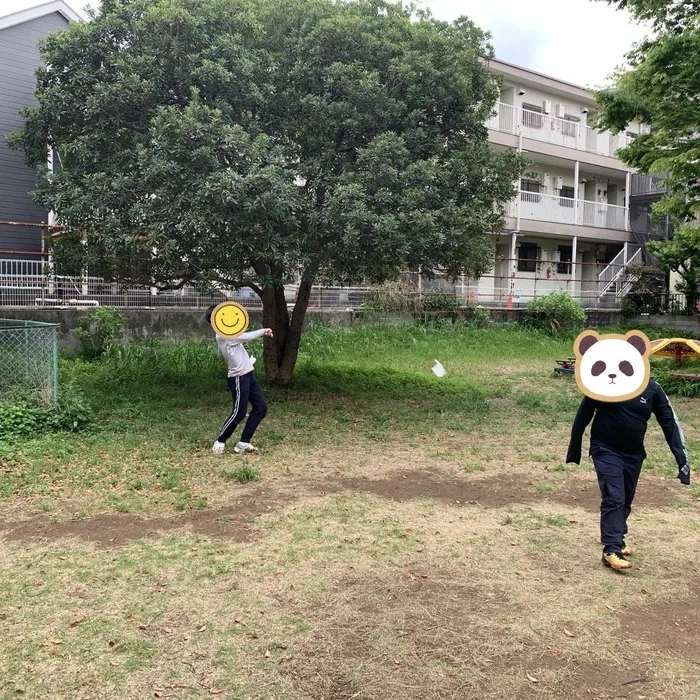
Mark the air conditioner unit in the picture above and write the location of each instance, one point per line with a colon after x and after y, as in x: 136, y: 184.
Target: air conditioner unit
x: 545, y: 181
x: 547, y: 106
x: 644, y: 129
x: 561, y: 111
x: 560, y: 183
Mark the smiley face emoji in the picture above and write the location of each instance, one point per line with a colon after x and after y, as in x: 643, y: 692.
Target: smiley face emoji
x: 229, y: 319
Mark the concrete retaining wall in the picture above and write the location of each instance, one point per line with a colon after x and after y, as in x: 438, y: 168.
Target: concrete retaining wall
x: 684, y: 324
x: 179, y: 324
x: 171, y: 324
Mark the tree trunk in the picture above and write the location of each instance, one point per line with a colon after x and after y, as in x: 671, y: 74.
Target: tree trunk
x: 281, y: 351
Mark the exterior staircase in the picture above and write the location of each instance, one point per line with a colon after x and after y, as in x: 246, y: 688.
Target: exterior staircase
x: 613, y: 282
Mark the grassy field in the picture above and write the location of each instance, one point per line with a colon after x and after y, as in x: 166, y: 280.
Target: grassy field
x: 399, y: 535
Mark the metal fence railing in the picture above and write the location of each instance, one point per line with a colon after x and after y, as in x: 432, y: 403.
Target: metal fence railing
x: 511, y: 283
x: 33, y: 283
x: 671, y: 304
x: 28, y: 361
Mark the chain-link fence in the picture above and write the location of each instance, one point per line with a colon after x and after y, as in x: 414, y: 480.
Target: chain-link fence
x: 28, y: 361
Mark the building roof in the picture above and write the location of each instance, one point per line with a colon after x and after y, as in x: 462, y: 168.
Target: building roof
x: 531, y: 77
x: 42, y: 10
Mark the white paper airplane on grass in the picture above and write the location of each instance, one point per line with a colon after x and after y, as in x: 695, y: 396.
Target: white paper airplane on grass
x: 438, y: 369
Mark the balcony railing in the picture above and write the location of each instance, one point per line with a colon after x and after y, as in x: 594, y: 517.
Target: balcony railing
x: 564, y: 210
x: 647, y: 185
x: 562, y: 132
x: 602, y: 215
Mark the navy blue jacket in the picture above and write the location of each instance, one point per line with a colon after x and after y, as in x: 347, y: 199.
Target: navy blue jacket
x: 621, y: 426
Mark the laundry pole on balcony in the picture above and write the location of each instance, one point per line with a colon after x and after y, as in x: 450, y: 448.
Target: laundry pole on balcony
x: 576, y: 175
x: 574, y: 252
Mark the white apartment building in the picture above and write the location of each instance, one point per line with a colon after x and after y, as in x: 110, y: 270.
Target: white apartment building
x: 569, y: 227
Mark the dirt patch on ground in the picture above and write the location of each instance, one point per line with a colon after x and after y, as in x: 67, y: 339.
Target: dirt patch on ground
x: 234, y: 522
x: 114, y: 530
x: 671, y: 626
x: 501, y: 491
x: 578, y: 679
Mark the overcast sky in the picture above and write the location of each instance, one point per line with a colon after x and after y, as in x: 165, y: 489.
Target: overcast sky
x: 580, y: 41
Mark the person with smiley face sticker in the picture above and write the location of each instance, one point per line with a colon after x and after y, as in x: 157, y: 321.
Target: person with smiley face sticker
x: 614, y: 374
x: 230, y: 322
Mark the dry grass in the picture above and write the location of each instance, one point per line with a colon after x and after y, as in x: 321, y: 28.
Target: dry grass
x: 428, y: 563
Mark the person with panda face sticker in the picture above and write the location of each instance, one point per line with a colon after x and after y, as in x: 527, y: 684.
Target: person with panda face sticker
x: 614, y: 374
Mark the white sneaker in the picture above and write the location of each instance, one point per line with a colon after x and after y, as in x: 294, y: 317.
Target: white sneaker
x: 243, y: 447
x: 218, y: 447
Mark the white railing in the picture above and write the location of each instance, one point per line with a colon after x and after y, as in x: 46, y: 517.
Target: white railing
x: 563, y: 132
x: 545, y: 207
x: 601, y: 215
x: 614, y: 272
x: 564, y: 210
x: 32, y: 283
x: 543, y: 127
x: 35, y: 289
x: 614, y: 269
x: 505, y: 119
x: 628, y: 280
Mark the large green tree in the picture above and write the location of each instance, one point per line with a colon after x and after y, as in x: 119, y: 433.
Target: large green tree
x: 661, y: 88
x: 242, y: 142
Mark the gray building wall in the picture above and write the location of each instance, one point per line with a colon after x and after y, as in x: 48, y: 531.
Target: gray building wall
x: 19, y: 59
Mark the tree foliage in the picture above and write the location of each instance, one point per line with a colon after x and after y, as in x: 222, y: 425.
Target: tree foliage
x: 662, y: 89
x: 245, y: 141
x: 682, y: 255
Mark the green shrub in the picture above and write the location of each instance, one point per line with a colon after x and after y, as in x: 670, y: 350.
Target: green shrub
x: 478, y: 316
x: 399, y: 298
x: 557, y: 312
x: 439, y: 302
x: 98, y: 330
x: 22, y: 419
x: 74, y: 413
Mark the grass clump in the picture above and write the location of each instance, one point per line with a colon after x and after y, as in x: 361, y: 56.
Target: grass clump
x: 242, y: 475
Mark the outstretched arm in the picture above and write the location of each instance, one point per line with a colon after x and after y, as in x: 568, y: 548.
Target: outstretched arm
x: 668, y: 420
x: 252, y: 335
x: 583, y: 418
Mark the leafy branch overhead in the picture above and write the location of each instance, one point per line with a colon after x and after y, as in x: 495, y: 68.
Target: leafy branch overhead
x: 246, y: 142
x: 661, y: 88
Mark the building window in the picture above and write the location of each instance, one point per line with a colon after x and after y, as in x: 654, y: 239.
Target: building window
x: 527, y: 257
x: 532, y: 116
x: 565, y: 255
x: 530, y: 190
x: 567, y: 197
x: 569, y: 127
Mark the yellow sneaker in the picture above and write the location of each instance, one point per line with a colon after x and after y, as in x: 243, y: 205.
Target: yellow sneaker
x: 626, y: 551
x: 615, y: 561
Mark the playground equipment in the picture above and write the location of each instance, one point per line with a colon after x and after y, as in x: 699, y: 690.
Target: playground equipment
x: 567, y: 366
x: 680, y: 349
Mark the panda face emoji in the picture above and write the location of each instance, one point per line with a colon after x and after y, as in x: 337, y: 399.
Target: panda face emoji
x: 612, y: 367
